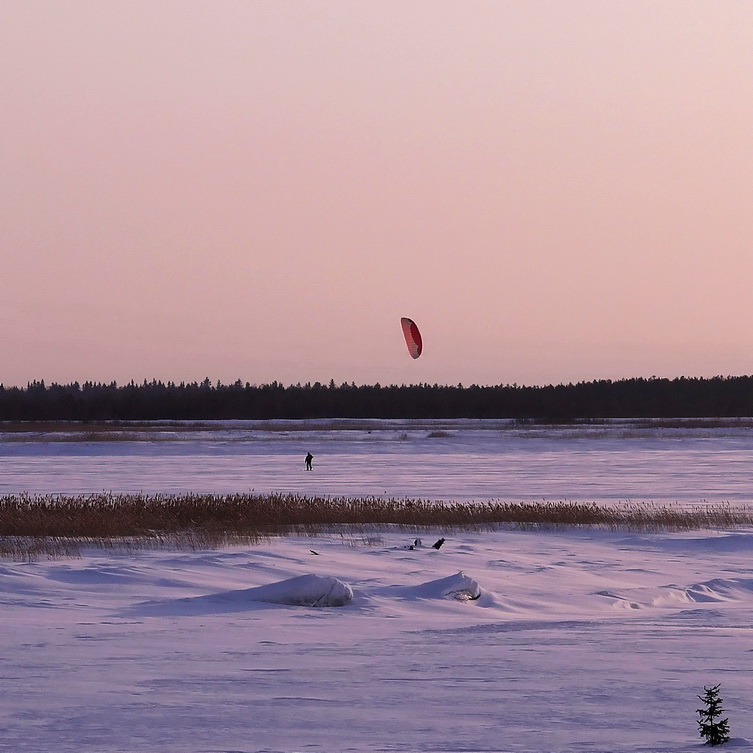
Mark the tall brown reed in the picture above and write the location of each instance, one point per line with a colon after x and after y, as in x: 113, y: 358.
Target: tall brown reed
x: 57, y: 524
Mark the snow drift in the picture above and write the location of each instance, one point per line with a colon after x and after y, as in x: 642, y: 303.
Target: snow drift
x: 459, y: 587
x: 304, y: 591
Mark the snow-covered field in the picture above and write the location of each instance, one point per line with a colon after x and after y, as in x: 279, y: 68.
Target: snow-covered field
x: 687, y: 462
x: 549, y: 641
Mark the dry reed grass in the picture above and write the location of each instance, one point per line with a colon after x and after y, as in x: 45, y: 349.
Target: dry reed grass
x: 58, y: 525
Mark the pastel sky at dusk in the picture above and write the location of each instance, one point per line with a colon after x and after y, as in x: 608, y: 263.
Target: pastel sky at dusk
x: 554, y: 190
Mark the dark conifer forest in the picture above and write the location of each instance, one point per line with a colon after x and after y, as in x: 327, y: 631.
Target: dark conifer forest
x: 682, y: 397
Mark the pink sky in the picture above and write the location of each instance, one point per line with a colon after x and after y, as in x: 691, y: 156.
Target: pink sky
x: 554, y: 191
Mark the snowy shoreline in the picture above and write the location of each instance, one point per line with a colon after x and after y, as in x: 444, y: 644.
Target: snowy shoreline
x: 33, y: 526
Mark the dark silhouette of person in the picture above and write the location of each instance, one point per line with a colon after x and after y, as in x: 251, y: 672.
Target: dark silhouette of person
x: 309, y: 458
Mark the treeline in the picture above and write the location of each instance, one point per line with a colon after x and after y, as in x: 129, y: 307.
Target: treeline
x: 626, y: 398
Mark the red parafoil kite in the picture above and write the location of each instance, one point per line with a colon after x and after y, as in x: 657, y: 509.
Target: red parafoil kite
x: 412, y: 337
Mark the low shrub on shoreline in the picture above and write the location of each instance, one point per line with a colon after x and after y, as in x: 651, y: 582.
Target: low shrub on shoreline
x: 57, y: 525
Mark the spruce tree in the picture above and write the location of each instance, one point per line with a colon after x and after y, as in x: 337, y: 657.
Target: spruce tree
x: 715, y: 732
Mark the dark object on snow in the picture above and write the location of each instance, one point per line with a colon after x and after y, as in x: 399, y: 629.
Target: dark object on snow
x: 309, y: 458
x: 313, y: 552
x: 437, y: 544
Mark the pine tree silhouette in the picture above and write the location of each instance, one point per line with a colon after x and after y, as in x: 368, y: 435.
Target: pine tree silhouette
x: 715, y: 732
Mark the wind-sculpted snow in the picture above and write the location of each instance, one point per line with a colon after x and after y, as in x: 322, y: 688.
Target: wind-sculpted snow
x: 301, y: 591
x: 566, y: 641
x: 458, y: 587
x: 715, y: 590
x: 304, y: 591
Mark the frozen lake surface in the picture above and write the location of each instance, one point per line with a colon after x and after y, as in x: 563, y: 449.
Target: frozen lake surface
x: 558, y: 641
x: 690, y: 462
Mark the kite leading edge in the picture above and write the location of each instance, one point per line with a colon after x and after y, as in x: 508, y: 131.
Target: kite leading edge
x: 412, y: 337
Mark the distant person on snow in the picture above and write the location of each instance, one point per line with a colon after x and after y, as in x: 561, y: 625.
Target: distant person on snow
x: 309, y: 458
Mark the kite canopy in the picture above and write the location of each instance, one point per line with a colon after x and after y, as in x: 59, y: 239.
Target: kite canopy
x: 412, y: 337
